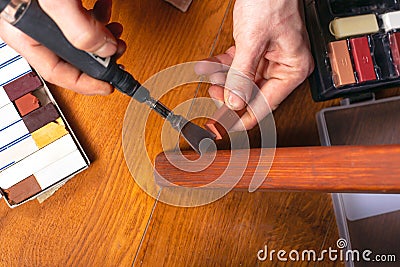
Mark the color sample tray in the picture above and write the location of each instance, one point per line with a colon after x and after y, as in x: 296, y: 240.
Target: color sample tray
x: 366, y: 221
x: 38, y: 150
x: 355, y: 45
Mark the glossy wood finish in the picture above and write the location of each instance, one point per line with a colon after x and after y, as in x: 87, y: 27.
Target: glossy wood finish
x: 230, y: 231
x: 326, y: 169
x: 100, y: 216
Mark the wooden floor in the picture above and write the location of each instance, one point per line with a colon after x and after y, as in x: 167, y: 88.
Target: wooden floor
x: 102, y: 217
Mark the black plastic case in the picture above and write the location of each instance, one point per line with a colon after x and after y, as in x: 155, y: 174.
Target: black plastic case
x: 319, y: 13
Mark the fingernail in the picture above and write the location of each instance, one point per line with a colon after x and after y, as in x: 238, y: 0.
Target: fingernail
x: 110, y: 39
x: 235, y: 101
x: 107, y: 49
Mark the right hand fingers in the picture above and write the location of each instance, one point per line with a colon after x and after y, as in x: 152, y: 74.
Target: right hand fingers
x: 239, y: 84
x: 83, y: 30
x: 215, y: 69
x: 116, y: 29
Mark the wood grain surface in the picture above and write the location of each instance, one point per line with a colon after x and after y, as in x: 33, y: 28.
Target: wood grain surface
x: 103, y: 218
x: 325, y: 169
x: 230, y: 231
x: 99, y: 217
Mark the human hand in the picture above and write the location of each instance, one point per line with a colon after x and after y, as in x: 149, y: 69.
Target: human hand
x: 271, y: 50
x: 85, y: 29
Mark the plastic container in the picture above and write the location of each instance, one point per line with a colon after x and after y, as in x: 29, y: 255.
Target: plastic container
x: 366, y: 221
x: 329, y: 21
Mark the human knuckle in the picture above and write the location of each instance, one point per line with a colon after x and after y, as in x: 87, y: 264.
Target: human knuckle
x: 83, y: 40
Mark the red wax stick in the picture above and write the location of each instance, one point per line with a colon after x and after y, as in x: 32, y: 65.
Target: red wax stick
x: 394, y: 39
x: 27, y: 104
x: 223, y: 120
x: 362, y: 59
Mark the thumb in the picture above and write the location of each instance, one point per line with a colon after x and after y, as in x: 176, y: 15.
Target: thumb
x: 240, y: 79
x: 80, y: 28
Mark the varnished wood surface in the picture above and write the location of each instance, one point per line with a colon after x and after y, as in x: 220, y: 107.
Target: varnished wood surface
x: 230, y: 231
x: 325, y: 169
x: 102, y: 218
x: 99, y: 217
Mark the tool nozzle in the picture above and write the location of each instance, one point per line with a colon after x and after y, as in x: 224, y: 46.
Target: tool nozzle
x: 198, y: 138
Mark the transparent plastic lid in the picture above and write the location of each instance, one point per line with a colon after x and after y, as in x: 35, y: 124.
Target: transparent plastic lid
x: 371, y: 123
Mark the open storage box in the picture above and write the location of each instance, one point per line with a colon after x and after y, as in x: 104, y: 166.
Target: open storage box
x: 367, y: 30
x: 38, y: 150
x: 356, y: 51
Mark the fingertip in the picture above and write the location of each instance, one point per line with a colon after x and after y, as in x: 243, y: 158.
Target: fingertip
x: 85, y: 30
x: 216, y: 92
x: 102, y: 10
x: 231, y: 51
x: 108, y: 48
x: 106, y: 90
x: 121, y: 48
x: 246, y: 122
x: 234, y: 101
x: 102, y: 88
x: 115, y: 28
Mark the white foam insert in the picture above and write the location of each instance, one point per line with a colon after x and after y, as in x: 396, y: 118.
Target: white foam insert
x: 8, y: 115
x: 4, y: 100
x: 14, y: 70
x: 37, y: 161
x: 360, y: 206
x: 60, y: 169
x: 7, y: 53
x: 17, y: 152
x: 12, y: 134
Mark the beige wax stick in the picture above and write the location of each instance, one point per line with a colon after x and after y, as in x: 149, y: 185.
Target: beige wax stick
x: 352, y: 26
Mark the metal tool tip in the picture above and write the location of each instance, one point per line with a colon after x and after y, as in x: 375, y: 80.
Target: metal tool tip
x: 198, y: 138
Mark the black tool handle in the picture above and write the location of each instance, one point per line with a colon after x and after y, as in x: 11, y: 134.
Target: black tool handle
x: 37, y: 24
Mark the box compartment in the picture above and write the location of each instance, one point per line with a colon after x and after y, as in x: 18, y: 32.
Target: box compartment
x: 366, y: 221
x: 319, y: 15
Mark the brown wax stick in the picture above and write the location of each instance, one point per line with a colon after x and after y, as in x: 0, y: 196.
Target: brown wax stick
x: 223, y: 120
x: 40, y: 117
x: 182, y: 5
x: 22, y: 86
x: 22, y: 190
x: 27, y: 104
x: 342, y: 69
